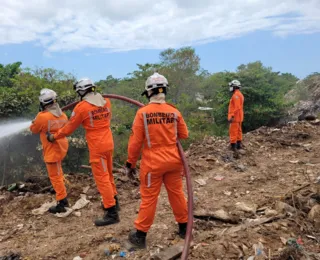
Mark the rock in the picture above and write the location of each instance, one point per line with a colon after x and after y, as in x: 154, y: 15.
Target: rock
x: 282, y: 207
x: 201, y: 182
x: 251, y: 208
x: 240, y: 167
x: 270, y: 212
x: 310, y: 117
x: 314, y: 215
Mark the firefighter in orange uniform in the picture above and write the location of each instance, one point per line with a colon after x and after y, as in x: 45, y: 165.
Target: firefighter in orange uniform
x: 157, y: 128
x: 51, y: 118
x: 235, y: 115
x: 93, y: 112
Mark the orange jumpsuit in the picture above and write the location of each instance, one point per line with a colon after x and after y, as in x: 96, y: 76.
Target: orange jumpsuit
x: 53, y: 153
x: 96, y: 122
x: 236, y: 111
x: 157, y: 127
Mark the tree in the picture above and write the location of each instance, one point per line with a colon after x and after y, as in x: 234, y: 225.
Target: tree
x: 263, y: 90
x: 8, y: 73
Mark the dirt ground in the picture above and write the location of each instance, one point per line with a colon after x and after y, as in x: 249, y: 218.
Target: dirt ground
x: 237, y: 205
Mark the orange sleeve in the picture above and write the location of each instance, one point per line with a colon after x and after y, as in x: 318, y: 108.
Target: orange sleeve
x: 36, y: 126
x: 182, y: 128
x: 71, y: 126
x: 136, y: 140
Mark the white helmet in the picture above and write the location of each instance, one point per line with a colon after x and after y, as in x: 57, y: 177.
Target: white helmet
x: 155, y: 81
x: 47, y: 96
x: 82, y: 85
x: 234, y: 83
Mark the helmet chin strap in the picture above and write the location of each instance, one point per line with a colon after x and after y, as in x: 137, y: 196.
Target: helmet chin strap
x: 154, y: 91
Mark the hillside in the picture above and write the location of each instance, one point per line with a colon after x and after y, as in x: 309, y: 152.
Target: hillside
x: 263, y: 197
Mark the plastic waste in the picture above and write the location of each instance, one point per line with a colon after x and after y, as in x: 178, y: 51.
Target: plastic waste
x: 111, y: 249
x: 122, y: 254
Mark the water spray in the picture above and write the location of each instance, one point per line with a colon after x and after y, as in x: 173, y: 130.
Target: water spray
x: 188, y: 238
x: 14, y: 127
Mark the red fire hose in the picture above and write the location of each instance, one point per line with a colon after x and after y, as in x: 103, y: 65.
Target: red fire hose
x: 188, y: 238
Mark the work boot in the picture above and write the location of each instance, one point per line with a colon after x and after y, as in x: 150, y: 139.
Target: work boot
x: 182, y: 230
x: 138, y: 239
x: 233, y: 147
x: 117, y: 203
x: 239, y: 145
x: 110, y: 217
x: 60, y: 207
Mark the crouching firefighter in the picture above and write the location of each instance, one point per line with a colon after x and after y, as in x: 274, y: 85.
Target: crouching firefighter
x: 93, y: 112
x: 157, y: 128
x: 235, y: 115
x: 51, y: 119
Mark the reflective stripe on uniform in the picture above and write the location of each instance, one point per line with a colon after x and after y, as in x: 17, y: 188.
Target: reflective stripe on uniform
x: 146, y: 129
x: 103, y: 165
x: 58, y: 168
x: 91, y: 119
x: 149, y: 180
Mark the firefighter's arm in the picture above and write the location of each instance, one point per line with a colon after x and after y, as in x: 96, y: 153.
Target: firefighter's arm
x: 36, y: 125
x: 73, y: 123
x: 231, y: 109
x: 182, y: 128
x: 136, y: 140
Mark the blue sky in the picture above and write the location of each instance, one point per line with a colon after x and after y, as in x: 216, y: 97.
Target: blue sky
x: 282, y: 34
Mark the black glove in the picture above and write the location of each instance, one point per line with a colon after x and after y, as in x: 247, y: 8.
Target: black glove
x: 50, y: 137
x: 130, y: 172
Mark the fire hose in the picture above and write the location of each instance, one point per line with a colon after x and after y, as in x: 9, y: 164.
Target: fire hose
x: 188, y: 238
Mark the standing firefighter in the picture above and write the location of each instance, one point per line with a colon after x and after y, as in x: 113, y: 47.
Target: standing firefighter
x: 94, y: 113
x: 235, y: 115
x: 51, y: 119
x: 157, y: 128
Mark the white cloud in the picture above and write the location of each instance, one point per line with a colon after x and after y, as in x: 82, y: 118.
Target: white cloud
x: 135, y: 24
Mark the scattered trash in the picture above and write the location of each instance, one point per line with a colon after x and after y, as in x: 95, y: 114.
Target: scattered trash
x: 112, y: 248
x: 295, y: 243
x: 108, y: 237
x: 81, y: 203
x: 85, y: 189
x: 227, y: 193
x: 282, y: 207
x: 258, y: 251
x: 270, y: 212
x: 44, y: 208
x: 294, y: 162
x: 201, y: 182
x: 240, y: 167
x: 283, y: 240
x: 312, y: 237
x: 64, y: 214
x: 122, y: 254
x: 77, y: 213
x: 77, y: 258
x: 246, y: 207
x: 160, y: 226
x: 12, y: 187
x: 219, y: 178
